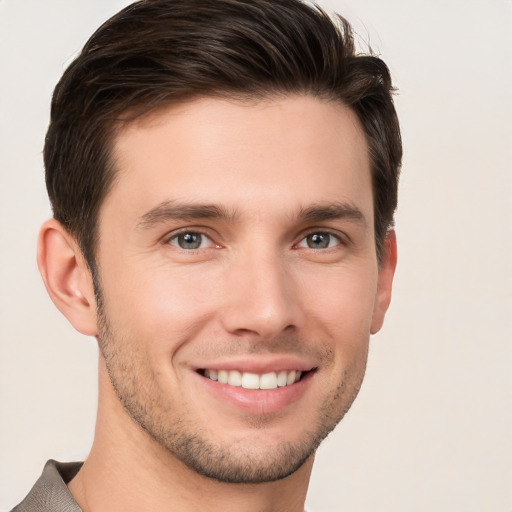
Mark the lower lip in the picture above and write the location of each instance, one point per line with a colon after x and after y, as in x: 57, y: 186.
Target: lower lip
x: 258, y: 401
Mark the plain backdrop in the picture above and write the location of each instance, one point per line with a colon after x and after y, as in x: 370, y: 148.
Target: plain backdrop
x: 432, y: 427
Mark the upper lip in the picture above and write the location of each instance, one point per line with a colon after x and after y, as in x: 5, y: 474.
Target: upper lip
x: 259, y: 365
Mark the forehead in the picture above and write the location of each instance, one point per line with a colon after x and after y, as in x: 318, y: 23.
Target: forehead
x: 278, y: 154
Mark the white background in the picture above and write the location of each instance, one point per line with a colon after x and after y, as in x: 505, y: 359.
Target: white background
x: 432, y: 427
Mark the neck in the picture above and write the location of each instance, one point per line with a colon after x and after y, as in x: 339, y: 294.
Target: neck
x: 127, y: 470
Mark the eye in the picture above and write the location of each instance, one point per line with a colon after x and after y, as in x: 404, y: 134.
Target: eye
x: 320, y: 240
x: 191, y: 240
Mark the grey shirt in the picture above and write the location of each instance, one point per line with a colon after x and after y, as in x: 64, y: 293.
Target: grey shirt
x: 50, y: 493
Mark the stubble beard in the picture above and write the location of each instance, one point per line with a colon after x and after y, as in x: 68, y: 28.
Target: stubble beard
x: 238, y: 462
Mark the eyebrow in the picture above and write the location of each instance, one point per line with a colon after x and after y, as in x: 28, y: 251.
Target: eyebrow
x: 332, y: 211
x: 173, y: 210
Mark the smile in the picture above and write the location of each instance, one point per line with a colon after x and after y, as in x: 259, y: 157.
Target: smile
x: 248, y: 380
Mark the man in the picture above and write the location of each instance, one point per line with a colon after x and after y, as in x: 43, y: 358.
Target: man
x: 223, y: 176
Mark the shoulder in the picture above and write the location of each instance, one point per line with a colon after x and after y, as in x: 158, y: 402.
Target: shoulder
x: 50, y: 493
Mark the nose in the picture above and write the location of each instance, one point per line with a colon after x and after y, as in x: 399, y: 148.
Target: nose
x: 261, y: 297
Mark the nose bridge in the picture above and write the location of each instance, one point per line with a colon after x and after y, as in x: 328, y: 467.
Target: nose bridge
x: 260, y: 293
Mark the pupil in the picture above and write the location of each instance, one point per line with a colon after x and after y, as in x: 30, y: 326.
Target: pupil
x: 318, y: 241
x: 190, y: 241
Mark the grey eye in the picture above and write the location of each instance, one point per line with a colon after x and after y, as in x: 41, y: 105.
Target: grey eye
x: 319, y: 240
x: 189, y: 240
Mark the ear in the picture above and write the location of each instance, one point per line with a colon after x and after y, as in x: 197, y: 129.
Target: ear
x: 66, y: 276
x: 385, y: 281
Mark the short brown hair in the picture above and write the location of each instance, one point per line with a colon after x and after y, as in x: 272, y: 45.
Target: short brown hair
x: 156, y: 52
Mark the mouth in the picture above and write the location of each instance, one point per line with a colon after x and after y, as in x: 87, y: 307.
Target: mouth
x: 249, y: 380
x: 257, y: 387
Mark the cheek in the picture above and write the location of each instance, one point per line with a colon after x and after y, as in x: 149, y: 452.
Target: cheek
x: 342, y: 301
x: 161, y: 304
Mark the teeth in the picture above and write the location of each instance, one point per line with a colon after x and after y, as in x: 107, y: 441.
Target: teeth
x: 281, y: 379
x: 249, y: 380
x: 268, y: 381
x: 222, y: 376
x: 234, y: 378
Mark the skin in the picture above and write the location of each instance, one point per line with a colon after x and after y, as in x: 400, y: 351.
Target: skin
x: 257, y: 293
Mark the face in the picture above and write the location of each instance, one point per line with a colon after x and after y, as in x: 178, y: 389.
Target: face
x: 239, y: 280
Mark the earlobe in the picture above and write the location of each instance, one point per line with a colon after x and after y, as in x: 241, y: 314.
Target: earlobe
x: 385, y: 281
x: 66, y: 276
